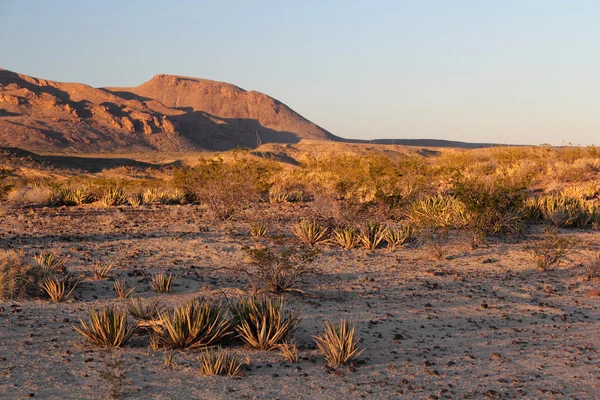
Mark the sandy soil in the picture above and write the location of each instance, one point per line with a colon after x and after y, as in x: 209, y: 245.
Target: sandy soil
x: 479, y: 323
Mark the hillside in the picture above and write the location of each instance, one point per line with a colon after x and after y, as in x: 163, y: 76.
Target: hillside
x: 167, y: 113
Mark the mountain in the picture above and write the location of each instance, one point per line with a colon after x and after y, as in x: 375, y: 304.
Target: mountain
x: 167, y: 113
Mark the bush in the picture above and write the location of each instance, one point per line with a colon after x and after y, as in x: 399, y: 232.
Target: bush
x: 551, y: 250
x: 261, y: 323
x: 19, y: 279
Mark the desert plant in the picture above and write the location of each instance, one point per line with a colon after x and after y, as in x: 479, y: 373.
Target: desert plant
x: 311, y: 232
x: 338, y: 344
x: 59, y: 288
x: 258, y: 229
x: 219, y: 362
x: 135, y: 199
x: 143, y: 311
x: 120, y: 287
x: 82, y: 196
x: 100, y: 271
x: 161, y: 282
x: 51, y: 261
x: 279, y: 271
x: 277, y: 195
x: 150, y: 195
x: 396, y: 237
x: 551, y: 250
x: 106, y: 327
x: 193, y: 325
x: 347, y: 237
x: 114, y: 196
x: 261, y: 323
x: 169, y: 359
x: 592, y: 265
x: 372, y: 234
x: 18, y: 278
x: 289, y: 351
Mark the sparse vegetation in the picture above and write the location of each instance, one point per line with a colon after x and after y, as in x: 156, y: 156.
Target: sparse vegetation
x: 551, y: 250
x: 101, y: 272
x: 121, y: 291
x: 51, y: 261
x: 592, y: 266
x: 372, y: 234
x: 311, y: 232
x: 143, y: 310
x: 106, y: 327
x: 18, y: 278
x: 339, y: 344
x: 261, y: 322
x: 258, y: 229
x: 161, y: 282
x: 219, y: 362
x: 289, y: 351
x: 59, y: 288
x: 396, y: 237
x: 346, y: 237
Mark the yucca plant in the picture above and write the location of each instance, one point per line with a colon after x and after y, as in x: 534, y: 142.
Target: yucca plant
x: 106, y: 327
x: 258, y: 229
x: 396, y: 237
x: 338, y: 344
x: 100, y: 271
x: 311, y: 232
x: 169, y: 359
x: 372, y: 234
x: 151, y: 195
x: 82, y: 196
x: 114, y: 197
x: 219, y: 362
x: 135, y: 199
x: 347, y: 237
x: 278, y: 196
x: 141, y: 310
x: 120, y: 287
x: 59, y: 288
x: 51, y: 261
x: 161, y: 282
x: 196, y: 324
x: 261, y: 323
x: 289, y: 351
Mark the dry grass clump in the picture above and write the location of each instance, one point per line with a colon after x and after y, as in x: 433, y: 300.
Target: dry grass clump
x: 150, y: 195
x: 51, y: 261
x: 372, y: 234
x: 338, y: 344
x: 120, y: 287
x: 551, y: 250
x: 106, y: 327
x: 101, y: 272
x: 439, y: 211
x: 19, y: 279
x: 135, y: 199
x: 311, y: 232
x: 196, y: 324
x: 592, y: 266
x: 258, y: 229
x: 219, y: 362
x: 280, y: 271
x: 565, y: 209
x: 346, y: 237
x: 161, y: 282
x: 396, y: 237
x: 141, y: 310
x: 289, y: 351
x: 261, y: 322
x: 59, y: 288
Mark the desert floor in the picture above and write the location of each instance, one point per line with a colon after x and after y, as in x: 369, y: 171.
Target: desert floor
x: 477, y: 323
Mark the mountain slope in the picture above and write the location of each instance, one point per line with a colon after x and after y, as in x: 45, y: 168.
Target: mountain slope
x: 167, y: 113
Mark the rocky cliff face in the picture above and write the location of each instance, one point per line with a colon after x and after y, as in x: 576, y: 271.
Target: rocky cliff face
x: 167, y: 113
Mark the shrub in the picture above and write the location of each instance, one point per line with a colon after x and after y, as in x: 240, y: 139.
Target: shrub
x: 258, y: 229
x: 347, y: 237
x: 281, y: 271
x: 59, y: 288
x: 339, y: 344
x: 261, y: 323
x: 551, y: 250
x: 372, y: 234
x: 193, y: 325
x: 219, y: 362
x: 51, y: 261
x: 396, y: 237
x: 106, y: 327
x: 135, y: 199
x: 311, y: 232
x: 120, y: 287
x: 114, y: 197
x: 150, y: 195
x: 437, y: 211
x: 19, y: 279
x: 161, y: 282
x: 289, y: 351
x: 592, y: 266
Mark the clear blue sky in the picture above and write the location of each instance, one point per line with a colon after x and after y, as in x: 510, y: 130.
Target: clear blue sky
x: 510, y: 71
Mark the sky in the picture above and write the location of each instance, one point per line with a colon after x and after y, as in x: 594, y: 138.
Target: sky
x: 507, y: 72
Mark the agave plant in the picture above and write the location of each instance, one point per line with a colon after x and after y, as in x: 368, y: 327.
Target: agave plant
x: 51, y: 261
x: 196, y: 324
x: 261, y: 323
x: 338, y: 344
x: 141, y: 310
x: 347, y: 237
x: 135, y: 199
x: 59, y: 288
x: 219, y: 362
x: 151, y: 195
x: 114, y: 197
x: 311, y: 232
x: 372, y: 234
x: 82, y: 196
x: 106, y: 327
x: 395, y: 237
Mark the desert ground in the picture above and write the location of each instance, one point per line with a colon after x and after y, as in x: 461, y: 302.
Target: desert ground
x: 437, y: 319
